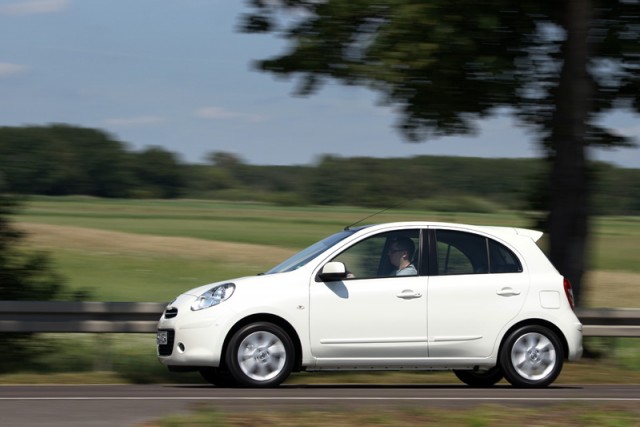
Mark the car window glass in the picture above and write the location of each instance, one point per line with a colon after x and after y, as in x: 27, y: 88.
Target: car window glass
x: 372, y: 257
x: 502, y: 259
x: 306, y: 255
x: 461, y: 253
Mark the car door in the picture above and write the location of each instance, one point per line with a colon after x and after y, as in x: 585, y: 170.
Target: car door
x: 373, y: 316
x: 476, y: 288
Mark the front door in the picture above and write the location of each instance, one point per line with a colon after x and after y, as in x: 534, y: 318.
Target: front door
x: 380, y: 311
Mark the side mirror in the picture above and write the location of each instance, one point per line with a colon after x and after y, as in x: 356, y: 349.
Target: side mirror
x: 333, y: 271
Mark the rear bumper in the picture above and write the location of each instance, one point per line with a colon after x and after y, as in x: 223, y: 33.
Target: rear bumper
x: 574, y: 342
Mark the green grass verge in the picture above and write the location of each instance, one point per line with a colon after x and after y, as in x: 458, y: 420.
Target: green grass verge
x: 131, y: 358
x: 481, y: 415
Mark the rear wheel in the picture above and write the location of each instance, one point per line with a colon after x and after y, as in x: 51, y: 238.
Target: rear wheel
x: 480, y: 378
x: 260, y: 355
x: 531, y: 356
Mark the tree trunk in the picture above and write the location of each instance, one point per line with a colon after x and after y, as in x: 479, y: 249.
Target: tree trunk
x: 567, y: 221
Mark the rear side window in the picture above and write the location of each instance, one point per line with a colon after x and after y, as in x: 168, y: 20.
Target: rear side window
x: 461, y: 253
x: 502, y: 259
x: 467, y: 253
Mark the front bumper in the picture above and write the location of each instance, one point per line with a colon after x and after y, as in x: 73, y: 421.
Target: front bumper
x: 194, y: 338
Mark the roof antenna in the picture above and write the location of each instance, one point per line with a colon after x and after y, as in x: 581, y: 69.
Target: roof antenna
x: 374, y: 214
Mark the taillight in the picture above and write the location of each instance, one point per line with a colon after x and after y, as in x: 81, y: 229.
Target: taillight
x: 568, y: 290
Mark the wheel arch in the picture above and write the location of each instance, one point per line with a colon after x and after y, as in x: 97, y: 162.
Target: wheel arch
x: 537, y: 322
x: 270, y: 318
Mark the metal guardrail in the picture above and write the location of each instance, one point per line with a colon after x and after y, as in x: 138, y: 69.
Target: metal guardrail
x: 610, y: 322
x: 64, y: 316
x: 142, y: 317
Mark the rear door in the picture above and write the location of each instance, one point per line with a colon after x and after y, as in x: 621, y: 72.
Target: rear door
x: 477, y: 286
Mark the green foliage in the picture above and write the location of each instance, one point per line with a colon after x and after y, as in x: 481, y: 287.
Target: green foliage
x: 24, y: 275
x: 158, y: 173
x: 446, y: 64
x: 422, y: 182
x: 63, y: 160
x: 427, y: 183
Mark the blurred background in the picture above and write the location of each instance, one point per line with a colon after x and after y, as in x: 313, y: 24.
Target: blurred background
x: 145, y: 147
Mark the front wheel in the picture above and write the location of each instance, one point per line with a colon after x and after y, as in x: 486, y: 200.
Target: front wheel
x: 260, y: 355
x: 531, y: 356
x: 484, y: 378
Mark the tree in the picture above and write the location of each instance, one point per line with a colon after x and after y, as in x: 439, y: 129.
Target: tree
x: 159, y: 173
x: 62, y: 159
x: 23, y: 276
x: 557, y: 65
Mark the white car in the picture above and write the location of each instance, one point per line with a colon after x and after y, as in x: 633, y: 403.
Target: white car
x: 484, y: 302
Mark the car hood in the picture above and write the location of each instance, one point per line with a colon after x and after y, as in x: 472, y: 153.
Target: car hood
x: 242, y: 282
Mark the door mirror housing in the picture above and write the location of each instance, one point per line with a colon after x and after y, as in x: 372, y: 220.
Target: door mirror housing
x: 333, y: 271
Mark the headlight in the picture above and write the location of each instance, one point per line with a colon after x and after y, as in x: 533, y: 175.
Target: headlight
x: 214, y: 296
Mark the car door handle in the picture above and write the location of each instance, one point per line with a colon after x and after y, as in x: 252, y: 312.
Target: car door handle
x: 508, y: 292
x: 409, y: 294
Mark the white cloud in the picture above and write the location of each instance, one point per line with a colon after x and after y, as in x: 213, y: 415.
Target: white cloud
x: 217, y: 113
x: 134, y: 121
x: 30, y: 7
x: 7, y: 69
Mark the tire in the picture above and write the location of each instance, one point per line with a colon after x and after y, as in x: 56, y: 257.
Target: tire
x: 531, y: 357
x: 260, y: 355
x: 480, y: 379
x: 219, y: 377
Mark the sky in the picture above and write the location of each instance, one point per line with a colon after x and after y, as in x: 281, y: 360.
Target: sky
x: 178, y: 74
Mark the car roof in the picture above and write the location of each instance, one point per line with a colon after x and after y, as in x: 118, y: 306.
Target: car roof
x: 497, y: 231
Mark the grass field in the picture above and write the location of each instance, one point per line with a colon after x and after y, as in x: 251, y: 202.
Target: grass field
x: 132, y: 250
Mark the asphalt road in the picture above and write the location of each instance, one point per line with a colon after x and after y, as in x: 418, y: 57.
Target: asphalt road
x: 131, y: 405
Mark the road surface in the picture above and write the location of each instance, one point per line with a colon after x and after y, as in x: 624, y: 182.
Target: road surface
x: 131, y: 405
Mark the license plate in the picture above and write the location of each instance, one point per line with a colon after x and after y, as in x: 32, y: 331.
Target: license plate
x: 161, y: 338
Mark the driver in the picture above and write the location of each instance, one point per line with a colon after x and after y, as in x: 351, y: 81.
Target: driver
x: 400, y: 254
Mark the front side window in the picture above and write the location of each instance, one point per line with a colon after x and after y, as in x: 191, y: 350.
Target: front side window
x: 383, y: 255
x: 306, y: 255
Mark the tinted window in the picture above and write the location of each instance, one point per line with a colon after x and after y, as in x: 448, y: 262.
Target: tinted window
x: 461, y: 253
x: 502, y: 259
x: 466, y: 253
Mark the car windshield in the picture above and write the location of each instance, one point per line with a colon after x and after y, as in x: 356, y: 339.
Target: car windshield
x: 306, y: 255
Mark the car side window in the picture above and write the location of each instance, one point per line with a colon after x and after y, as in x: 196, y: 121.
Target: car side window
x: 461, y: 253
x: 502, y: 259
x: 467, y: 253
x: 379, y: 255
